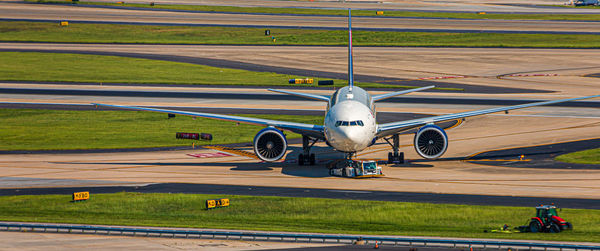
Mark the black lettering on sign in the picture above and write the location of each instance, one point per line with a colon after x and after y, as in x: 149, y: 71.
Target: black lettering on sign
x: 217, y: 203
x: 211, y: 204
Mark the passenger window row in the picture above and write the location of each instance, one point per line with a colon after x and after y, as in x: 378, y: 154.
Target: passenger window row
x: 349, y: 123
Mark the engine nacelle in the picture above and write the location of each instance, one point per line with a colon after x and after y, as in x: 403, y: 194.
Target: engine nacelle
x: 270, y: 144
x: 431, y: 141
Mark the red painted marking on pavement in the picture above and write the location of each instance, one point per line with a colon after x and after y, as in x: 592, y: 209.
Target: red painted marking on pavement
x: 210, y: 155
x: 443, y: 77
x: 532, y: 75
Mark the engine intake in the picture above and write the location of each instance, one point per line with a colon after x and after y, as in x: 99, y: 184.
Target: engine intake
x: 270, y: 144
x: 431, y: 142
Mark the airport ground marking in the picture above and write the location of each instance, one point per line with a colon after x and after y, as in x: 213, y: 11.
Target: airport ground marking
x: 232, y: 151
x: 210, y: 155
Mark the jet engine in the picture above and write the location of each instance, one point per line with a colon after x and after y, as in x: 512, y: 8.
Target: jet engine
x: 270, y: 144
x: 431, y: 142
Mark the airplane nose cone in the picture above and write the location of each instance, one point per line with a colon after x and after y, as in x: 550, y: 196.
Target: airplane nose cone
x: 353, y: 139
x: 351, y: 133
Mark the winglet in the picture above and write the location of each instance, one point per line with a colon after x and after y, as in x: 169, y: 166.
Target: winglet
x: 350, y: 68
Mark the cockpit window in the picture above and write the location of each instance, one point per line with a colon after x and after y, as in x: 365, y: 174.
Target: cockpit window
x: 349, y: 123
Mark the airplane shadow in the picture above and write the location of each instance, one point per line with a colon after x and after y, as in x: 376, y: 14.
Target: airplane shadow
x: 412, y: 165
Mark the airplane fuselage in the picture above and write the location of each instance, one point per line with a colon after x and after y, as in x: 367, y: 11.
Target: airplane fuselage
x: 350, y: 124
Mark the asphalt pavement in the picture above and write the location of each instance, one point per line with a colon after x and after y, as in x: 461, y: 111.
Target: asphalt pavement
x: 541, y: 156
x: 463, y: 199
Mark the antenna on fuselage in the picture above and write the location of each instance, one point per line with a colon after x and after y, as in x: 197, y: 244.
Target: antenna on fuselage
x: 350, y: 70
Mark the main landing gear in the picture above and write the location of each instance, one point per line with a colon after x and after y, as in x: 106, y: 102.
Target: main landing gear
x: 395, y: 157
x: 307, y: 158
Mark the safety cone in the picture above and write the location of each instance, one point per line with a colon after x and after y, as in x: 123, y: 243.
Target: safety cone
x: 376, y: 245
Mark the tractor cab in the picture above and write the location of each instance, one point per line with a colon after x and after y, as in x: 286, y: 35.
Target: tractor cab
x: 545, y: 212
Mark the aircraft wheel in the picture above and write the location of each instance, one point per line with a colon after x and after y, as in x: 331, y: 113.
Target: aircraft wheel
x: 301, y: 159
x: 312, y: 159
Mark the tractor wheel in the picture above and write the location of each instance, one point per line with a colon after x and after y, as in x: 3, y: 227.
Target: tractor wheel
x: 554, y: 228
x: 535, y: 226
x: 569, y: 226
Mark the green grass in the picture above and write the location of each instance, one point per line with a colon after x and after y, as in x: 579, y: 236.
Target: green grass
x: 27, y: 129
x: 591, y: 156
x: 155, y: 34
x: 59, y: 67
x: 293, y: 214
x: 313, y: 11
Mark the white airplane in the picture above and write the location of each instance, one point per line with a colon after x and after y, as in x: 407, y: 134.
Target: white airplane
x: 350, y: 123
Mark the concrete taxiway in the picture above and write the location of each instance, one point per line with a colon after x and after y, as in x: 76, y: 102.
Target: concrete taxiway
x: 497, y: 6
x: 562, y: 71
x: 81, y: 13
x: 450, y: 175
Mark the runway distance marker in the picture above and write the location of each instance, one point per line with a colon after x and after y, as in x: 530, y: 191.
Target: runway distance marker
x: 210, y: 204
x: 81, y: 196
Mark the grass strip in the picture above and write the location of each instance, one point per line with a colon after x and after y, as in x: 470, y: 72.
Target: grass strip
x: 64, y: 67
x: 117, y: 33
x: 31, y: 129
x: 156, y: 34
x: 316, y: 11
x: 293, y: 214
x: 591, y: 156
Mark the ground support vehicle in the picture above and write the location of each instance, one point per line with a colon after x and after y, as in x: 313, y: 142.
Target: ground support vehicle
x: 546, y: 220
x: 354, y: 168
x: 586, y: 2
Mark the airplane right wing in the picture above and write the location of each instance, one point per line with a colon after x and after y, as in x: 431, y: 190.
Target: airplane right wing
x: 397, y: 127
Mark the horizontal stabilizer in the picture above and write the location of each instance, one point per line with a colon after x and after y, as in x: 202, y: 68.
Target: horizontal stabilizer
x: 304, y: 95
x: 392, y: 94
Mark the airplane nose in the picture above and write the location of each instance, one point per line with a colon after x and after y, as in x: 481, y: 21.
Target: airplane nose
x: 353, y: 134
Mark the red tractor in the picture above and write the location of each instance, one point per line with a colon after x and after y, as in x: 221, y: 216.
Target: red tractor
x: 547, y: 220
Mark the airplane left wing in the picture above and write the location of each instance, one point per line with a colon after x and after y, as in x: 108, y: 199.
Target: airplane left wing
x: 397, y: 127
x: 315, y: 131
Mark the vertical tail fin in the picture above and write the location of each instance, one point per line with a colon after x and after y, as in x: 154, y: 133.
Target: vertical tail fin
x: 350, y: 68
